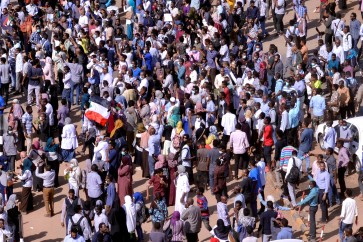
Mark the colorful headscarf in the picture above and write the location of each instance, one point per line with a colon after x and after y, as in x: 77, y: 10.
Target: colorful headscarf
x: 118, y: 124
x: 138, y: 197
x: 175, y: 217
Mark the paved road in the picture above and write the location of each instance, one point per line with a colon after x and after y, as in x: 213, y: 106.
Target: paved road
x: 39, y: 228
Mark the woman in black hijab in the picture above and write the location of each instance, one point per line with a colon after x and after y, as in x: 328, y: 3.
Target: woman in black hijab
x: 220, y: 231
x: 117, y: 220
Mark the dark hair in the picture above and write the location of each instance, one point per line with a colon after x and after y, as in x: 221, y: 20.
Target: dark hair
x: 239, y: 202
x: 246, y: 212
x: 270, y: 204
x: 349, y: 192
x: 157, y: 225
x: 249, y: 229
x: 294, y: 152
x: 285, y: 222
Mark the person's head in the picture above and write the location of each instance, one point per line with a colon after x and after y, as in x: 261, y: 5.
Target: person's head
x: 348, y: 192
x: 340, y: 143
x: 200, y: 191
x: 48, y: 167
x: 353, y: 16
x: 348, y: 232
x: 98, y: 210
x: 29, y: 109
x: 252, y: 163
x: 284, y: 222
x: 157, y: 226
x: 320, y: 158
x: 329, y: 151
x: 249, y: 230
x: 270, y: 205
x: 158, y: 196
x: 267, y: 120
x: 71, y: 194
x: 94, y: 168
x: 102, y: 227
x: 74, y: 231
x: 294, y: 153
x: 190, y: 201
x: 224, y: 199
x: 238, y: 205
x: 237, y: 190
x: 312, y: 184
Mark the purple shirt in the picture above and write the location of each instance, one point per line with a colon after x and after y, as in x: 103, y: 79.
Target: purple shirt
x: 343, y: 157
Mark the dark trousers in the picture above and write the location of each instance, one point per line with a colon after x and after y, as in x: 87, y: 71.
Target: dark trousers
x: 343, y: 112
x: 312, y: 213
x: 267, y: 151
x: 5, y: 91
x: 292, y: 134
x: 341, y: 172
x: 279, y: 22
x: 241, y: 162
x: 323, y: 206
x: 189, y: 170
x: 202, y: 179
x: 26, y: 199
x: 192, y: 237
x: 220, y: 193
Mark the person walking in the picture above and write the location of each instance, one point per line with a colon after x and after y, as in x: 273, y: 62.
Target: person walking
x: 294, y: 162
x: 239, y: 144
x: 69, y: 207
x: 193, y: 217
x: 349, y: 213
x: 343, y: 160
x: 323, y: 182
x: 26, y: 177
x: 48, y: 189
x: 94, y: 185
x: 306, y: 137
x: 312, y: 200
x: 265, y: 224
x: 73, y: 174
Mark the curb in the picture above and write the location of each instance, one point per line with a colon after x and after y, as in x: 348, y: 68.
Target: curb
x: 294, y: 214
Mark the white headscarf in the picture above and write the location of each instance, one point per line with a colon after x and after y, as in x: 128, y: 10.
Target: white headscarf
x: 11, y: 202
x: 129, y: 207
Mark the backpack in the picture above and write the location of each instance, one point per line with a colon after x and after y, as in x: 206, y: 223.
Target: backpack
x: 176, y: 141
x: 294, y: 175
x: 78, y: 225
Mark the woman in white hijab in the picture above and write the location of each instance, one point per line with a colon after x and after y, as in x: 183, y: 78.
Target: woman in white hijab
x: 182, y: 189
x: 130, y: 210
x: 73, y: 173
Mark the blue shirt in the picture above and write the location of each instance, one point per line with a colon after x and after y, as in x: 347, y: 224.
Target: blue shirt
x: 329, y: 138
x: 322, y: 180
x: 111, y: 192
x: 154, y: 142
x: 2, y: 104
x: 312, y: 198
x: 159, y: 213
x: 300, y: 87
x: 255, y: 176
x: 306, y: 140
x: 148, y: 61
x: 294, y: 115
x: 278, y: 87
x: 285, y: 233
x: 136, y: 72
x: 317, y: 103
x: 210, y: 58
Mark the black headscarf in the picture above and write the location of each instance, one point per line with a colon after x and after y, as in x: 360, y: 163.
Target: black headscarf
x: 221, y: 231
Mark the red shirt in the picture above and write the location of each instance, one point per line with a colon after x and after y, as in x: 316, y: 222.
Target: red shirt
x: 267, y: 136
x: 228, y: 95
x: 158, y: 187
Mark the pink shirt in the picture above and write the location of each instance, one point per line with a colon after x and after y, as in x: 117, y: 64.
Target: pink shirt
x: 239, y: 142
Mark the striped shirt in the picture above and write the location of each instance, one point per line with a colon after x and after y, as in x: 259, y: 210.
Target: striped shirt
x: 286, y: 154
x: 177, y: 230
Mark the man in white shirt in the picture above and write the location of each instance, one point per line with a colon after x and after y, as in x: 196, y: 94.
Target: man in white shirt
x: 101, y: 148
x: 291, y: 186
x: 284, y: 125
x: 224, y: 51
x: 83, y: 223
x: 337, y: 25
x: 83, y: 19
x: 219, y: 79
x: 349, y: 213
x: 18, y: 68
x: 229, y: 121
x: 338, y: 50
x: 347, y: 40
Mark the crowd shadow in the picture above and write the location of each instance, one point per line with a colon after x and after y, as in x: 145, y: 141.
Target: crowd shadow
x: 36, y: 236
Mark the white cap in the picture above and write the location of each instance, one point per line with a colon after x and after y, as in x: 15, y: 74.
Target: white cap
x: 172, y: 99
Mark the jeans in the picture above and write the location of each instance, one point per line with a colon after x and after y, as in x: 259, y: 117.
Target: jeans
x: 312, y: 213
x: 140, y: 235
x: 66, y: 94
x: 269, y: 80
x: 11, y: 159
x: 342, y: 227
x: 151, y: 165
x: 301, y: 155
x: 323, y: 206
x: 267, y: 151
x: 355, y: 44
x: 341, y: 172
x: 5, y: 91
x: 77, y: 87
x: 36, y: 89
x: 291, y: 188
x: 333, y: 191
x: 263, y: 24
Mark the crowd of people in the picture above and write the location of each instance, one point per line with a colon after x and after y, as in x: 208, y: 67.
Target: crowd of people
x: 187, y: 93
